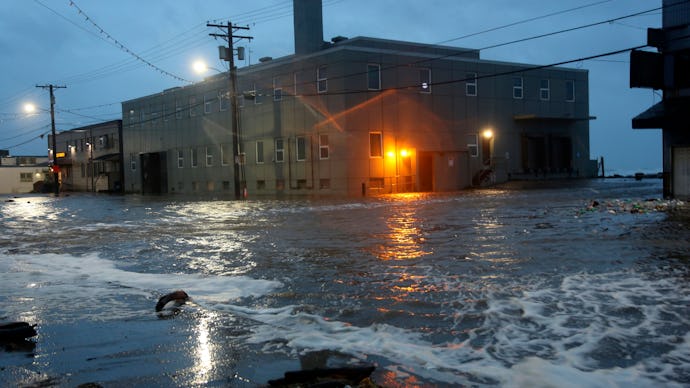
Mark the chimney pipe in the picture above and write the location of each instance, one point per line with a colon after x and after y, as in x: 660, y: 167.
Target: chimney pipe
x: 308, y: 25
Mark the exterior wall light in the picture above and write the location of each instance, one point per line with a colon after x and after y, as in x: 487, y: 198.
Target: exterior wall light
x: 488, y: 134
x: 404, y: 153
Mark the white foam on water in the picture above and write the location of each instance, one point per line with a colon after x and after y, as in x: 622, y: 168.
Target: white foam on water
x: 591, y: 330
x: 97, y: 285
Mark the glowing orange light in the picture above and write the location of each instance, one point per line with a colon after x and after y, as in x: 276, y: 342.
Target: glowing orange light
x: 488, y: 134
x: 404, y: 153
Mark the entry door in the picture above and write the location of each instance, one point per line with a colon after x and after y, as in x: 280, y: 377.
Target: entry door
x: 681, y: 172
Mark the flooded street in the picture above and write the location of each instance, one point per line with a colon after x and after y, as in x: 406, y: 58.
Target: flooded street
x: 510, y: 286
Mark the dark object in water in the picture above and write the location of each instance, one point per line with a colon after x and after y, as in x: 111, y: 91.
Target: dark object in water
x: 326, y: 377
x: 176, y: 299
x: 16, y: 331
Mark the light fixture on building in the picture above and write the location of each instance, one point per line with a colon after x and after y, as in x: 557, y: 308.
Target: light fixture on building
x: 488, y: 134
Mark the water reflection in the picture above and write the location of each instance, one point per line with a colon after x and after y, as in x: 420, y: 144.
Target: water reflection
x: 205, y: 351
x: 404, y: 240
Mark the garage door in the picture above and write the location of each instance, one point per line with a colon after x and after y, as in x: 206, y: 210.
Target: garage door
x: 681, y: 172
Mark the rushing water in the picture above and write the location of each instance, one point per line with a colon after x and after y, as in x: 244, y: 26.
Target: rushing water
x: 496, y: 287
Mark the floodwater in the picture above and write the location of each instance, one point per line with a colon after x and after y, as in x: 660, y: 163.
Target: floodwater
x: 510, y: 286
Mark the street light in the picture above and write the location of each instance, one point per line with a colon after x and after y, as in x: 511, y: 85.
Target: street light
x: 200, y: 67
x: 29, y: 108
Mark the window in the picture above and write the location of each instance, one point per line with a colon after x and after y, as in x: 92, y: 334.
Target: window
x: 259, y: 152
x: 323, y: 147
x: 280, y: 150
x: 257, y: 95
x: 321, y: 79
x: 164, y: 112
x: 375, y: 145
x: 295, y: 79
x: 277, y: 89
x: 133, y: 162
x: 26, y: 177
x: 570, y: 90
x: 154, y: 114
x: 473, y: 145
x: 208, y: 102
x: 192, y: 106
x: 225, y: 154
x: 373, y: 77
x: 178, y: 109
x: 301, y: 148
x: 180, y: 159
x: 425, y: 80
x: 209, y: 157
x: 194, y: 157
x: 517, y: 88
x: 544, y: 90
x: 470, y: 84
x: 223, y: 100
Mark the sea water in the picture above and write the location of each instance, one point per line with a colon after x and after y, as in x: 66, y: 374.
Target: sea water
x: 496, y: 287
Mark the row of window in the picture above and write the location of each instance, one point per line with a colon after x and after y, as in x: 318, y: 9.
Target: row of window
x: 544, y: 89
x: 373, y: 84
x: 299, y: 184
x: 102, y: 142
x: 226, y: 153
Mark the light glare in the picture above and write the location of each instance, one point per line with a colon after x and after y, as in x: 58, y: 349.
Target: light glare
x: 199, y: 66
x: 29, y: 107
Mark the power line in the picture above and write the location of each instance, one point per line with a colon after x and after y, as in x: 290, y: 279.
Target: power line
x: 525, y: 21
x: 122, y: 46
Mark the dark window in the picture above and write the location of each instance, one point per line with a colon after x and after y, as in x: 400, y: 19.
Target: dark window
x: 375, y: 145
x: 374, y: 77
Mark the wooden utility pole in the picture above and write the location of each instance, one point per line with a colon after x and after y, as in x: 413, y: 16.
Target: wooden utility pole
x: 228, y: 54
x: 53, y: 163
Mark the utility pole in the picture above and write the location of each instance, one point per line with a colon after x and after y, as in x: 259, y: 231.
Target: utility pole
x: 53, y: 163
x: 228, y: 54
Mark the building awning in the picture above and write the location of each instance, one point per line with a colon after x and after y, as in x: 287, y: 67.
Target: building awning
x: 664, y: 114
x: 536, y: 117
x: 109, y: 158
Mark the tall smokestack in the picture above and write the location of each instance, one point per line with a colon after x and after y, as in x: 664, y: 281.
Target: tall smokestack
x: 308, y: 19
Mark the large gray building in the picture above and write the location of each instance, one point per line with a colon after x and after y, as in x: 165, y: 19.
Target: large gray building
x: 667, y: 70
x: 361, y: 115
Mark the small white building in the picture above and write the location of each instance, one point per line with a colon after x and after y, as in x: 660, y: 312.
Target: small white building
x: 21, y: 174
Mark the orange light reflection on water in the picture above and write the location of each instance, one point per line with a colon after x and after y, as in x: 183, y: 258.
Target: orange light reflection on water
x: 404, y: 239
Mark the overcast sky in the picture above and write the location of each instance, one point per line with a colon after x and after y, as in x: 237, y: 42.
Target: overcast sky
x: 94, y: 53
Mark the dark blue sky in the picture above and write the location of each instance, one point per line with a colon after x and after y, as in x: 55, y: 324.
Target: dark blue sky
x: 50, y: 41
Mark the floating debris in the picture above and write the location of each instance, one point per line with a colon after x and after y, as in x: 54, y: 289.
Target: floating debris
x: 619, y: 206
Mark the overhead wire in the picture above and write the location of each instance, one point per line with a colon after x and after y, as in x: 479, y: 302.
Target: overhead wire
x: 528, y: 20
x: 123, y: 47
x: 283, y: 12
